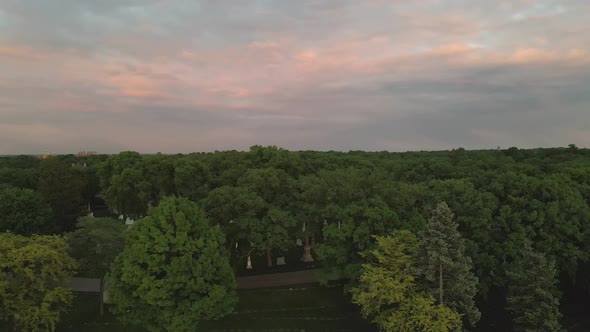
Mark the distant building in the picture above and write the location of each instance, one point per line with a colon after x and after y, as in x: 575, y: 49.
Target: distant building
x: 86, y: 153
x: 46, y: 155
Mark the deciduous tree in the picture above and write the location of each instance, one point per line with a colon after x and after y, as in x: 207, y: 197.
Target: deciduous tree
x: 62, y: 187
x: 95, y: 244
x: 123, y: 183
x: 34, y: 276
x: 24, y: 212
x: 270, y: 232
x: 173, y: 271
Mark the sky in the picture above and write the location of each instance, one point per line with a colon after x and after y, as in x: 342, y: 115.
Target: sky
x: 180, y: 76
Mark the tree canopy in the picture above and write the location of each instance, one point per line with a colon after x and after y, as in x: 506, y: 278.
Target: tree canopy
x: 23, y: 211
x: 444, y: 267
x: 95, y: 244
x: 34, y: 276
x: 62, y: 188
x: 174, y: 270
x: 533, y: 298
x: 261, y: 198
x: 388, y: 293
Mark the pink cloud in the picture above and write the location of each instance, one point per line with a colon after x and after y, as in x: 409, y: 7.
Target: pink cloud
x: 21, y: 52
x: 306, y: 56
x: 531, y: 55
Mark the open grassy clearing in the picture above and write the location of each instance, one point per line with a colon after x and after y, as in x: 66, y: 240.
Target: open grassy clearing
x: 290, y: 309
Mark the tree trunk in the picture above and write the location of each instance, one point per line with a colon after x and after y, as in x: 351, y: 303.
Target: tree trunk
x: 268, y: 258
x: 440, y: 284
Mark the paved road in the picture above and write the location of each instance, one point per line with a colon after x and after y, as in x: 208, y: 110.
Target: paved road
x: 278, y: 279
x: 85, y: 285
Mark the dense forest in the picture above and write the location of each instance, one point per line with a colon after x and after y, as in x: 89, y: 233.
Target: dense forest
x: 502, y: 213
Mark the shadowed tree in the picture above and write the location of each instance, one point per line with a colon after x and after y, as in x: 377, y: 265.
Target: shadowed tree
x: 123, y: 184
x: 95, y: 244
x: 533, y: 298
x: 62, y: 188
x: 228, y: 206
x: 24, y: 212
x: 270, y: 232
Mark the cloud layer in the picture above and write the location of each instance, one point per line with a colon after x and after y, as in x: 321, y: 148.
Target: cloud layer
x: 179, y: 76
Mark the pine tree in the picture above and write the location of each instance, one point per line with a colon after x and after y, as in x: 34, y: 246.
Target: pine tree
x: 388, y: 294
x: 533, y: 298
x: 445, y: 270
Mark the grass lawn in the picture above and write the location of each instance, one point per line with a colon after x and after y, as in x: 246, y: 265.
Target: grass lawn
x: 291, y: 309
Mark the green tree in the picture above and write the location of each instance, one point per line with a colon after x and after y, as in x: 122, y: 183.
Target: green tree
x: 124, y: 186
x: 389, y: 296
x: 274, y: 185
x: 228, y: 206
x: 91, y: 184
x: 34, y: 273
x: 173, y: 271
x: 273, y: 230
x: 270, y: 232
x: 24, y: 212
x: 62, y: 188
x: 191, y: 178
x: 95, y: 244
x: 447, y: 272
x: 533, y: 298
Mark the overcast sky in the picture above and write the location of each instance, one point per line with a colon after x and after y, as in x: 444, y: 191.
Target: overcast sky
x: 181, y: 76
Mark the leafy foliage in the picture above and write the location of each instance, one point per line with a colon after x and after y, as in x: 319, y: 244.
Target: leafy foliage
x: 173, y: 272
x: 388, y: 294
x: 24, y: 212
x: 444, y: 267
x: 62, y: 188
x: 500, y: 198
x: 122, y: 179
x: 95, y: 244
x: 34, y: 273
x: 533, y: 298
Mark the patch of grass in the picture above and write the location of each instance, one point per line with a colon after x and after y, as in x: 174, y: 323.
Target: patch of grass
x: 308, y: 308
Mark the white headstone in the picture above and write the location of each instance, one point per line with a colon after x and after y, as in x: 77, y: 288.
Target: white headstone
x: 249, y: 264
x: 299, y: 243
x: 281, y: 260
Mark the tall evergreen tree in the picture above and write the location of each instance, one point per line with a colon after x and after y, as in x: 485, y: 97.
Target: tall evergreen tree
x: 388, y: 294
x: 533, y: 298
x: 446, y: 271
